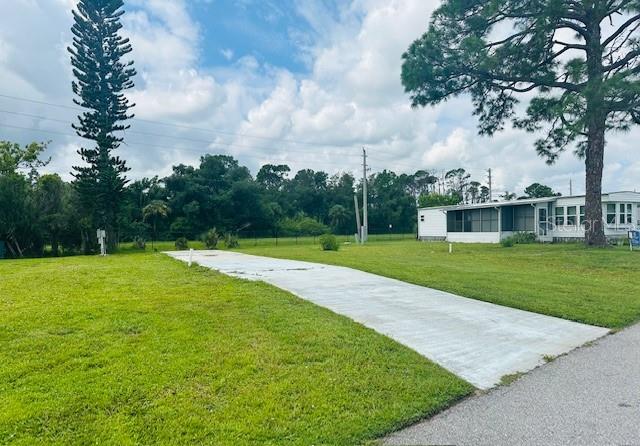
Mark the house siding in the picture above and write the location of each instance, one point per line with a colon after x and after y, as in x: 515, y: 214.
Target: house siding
x: 432, y: 222
x: 434, y: 226
x: 473, y: 237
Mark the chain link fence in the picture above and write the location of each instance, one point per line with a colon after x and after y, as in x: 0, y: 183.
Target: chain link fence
x: 270, y: 238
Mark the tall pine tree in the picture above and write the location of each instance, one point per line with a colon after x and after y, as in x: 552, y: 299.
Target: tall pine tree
x: 101, y: 78
x: 577, y: 63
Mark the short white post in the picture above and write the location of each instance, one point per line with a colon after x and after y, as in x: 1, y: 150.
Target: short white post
x: 190, y: 257
x: 450, y: 248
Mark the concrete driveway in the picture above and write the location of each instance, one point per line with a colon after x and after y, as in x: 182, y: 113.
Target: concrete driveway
x: 478, y: 341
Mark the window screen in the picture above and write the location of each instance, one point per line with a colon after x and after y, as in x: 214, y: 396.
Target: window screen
x: 454, y: 221
x: 611, y: 214
x: 571, y: 215
x: 524, y: 218
x: 489, y: 220
x: 559, y: 213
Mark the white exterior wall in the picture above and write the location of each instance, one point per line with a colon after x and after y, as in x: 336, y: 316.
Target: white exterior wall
x: 627, y: 198
x: 567, y: 231
x: 434, y: 224
x: 609, y: 230
x: 474, y: 237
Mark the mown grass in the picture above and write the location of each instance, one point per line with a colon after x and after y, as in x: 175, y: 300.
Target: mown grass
x: 138, y: 349
x: 247, y: 241
x: 594, y: 286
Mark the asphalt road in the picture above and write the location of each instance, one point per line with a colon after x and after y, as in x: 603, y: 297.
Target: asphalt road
x: 589, y: 397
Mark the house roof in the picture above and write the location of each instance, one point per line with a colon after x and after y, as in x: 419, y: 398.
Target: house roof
x: 495, y: 204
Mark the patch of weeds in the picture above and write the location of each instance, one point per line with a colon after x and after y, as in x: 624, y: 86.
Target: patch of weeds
x: 64, y: 331
x: 507, y: 380
x: 549, y: 358
x: 130, y: 330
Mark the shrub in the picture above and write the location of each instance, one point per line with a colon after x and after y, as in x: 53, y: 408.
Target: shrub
x: 139, y: 243
x: 182, y: 243
x: 231, y: 241
x: 302, y: 225
x: 211, y: 238
x: 507, y: 242
x: 329, y: 242
x: 524, y: 238
x: 519, y: 238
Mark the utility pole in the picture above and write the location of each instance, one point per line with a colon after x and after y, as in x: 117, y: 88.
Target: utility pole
x: 358, y: 225
x: 490, y: 186
x: 571, y: 188
x: 365, y: 205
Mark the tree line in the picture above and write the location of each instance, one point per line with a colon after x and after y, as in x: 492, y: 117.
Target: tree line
x: 42, y: 214
x: 45, y: 214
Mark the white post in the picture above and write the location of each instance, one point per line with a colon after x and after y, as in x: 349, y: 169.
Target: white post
x: 190, y: 257
x: 358, y: 225
x: 450, y: 248
x: 102, y: 240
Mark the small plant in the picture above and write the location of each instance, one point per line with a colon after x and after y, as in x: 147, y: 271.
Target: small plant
x: 507, y: 380
x: 211, y: 238
x: 329, y: 242
x: 524, y: 238
x: 519, y: 238
x: 139, y: 243
x: 231, y: 241
x: 507, y: 242
x: 182, y: 243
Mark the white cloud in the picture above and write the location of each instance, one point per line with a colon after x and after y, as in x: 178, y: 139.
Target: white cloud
x: 351, y: 96
x: 452, y: 151
x: 227, y: 53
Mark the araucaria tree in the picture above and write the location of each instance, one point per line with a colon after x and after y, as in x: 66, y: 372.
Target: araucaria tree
x: 101, y: 77
x: 578, y: 60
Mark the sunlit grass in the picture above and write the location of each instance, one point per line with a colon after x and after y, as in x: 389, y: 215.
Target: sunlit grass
x: 595, y: 286
x: 139, y: 349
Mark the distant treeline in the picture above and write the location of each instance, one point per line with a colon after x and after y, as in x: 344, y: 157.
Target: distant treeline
x: 41, y: 212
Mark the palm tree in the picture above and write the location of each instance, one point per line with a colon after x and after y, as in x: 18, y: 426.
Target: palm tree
x: 474, y: 191
x: 155, y: 210
x: 508, y: 196
x: 338, y: 215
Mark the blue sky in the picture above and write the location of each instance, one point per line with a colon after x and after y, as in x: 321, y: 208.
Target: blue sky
x: 260, y: 80
x: 269, y: 31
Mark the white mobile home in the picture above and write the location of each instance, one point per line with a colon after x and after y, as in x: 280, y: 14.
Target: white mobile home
x: 552, y: 219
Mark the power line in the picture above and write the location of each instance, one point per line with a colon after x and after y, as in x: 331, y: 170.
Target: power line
x: 185, y: 127
x: 212, y: 131
x: 178, y: 138
x: 137, y: 143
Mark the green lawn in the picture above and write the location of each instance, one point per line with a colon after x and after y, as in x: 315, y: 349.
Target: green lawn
x: 595, y: 286
x: 139, y: 349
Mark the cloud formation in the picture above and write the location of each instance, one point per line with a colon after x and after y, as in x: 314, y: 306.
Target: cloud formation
x: 350, y: 96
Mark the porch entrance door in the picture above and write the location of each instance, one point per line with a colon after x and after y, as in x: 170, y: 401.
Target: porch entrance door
x: 543, y: 224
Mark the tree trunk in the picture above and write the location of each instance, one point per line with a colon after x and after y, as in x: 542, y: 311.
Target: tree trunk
x: 594, y: 163
x: 596, y: 118
x: 84, y: 243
